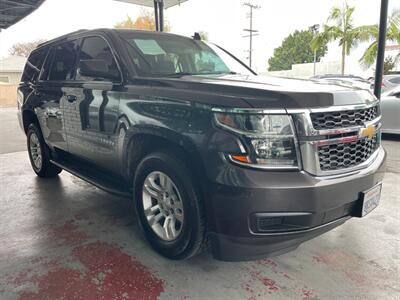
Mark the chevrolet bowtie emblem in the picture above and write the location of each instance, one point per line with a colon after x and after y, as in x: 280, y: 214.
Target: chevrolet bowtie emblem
x: 368, y: 132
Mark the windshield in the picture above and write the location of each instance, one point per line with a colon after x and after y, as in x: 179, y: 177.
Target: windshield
x: 169, y: 55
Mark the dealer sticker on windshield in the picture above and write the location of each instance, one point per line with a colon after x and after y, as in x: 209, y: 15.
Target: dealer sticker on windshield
x: 371, y: 199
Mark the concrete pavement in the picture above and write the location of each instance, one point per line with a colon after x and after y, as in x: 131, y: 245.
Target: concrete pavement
x: 65, y: 239
x: 12, y: 138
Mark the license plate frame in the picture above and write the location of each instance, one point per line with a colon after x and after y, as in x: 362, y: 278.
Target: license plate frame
x: 371, y: 199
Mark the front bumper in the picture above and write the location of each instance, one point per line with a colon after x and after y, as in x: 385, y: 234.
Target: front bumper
x: 306, y: 205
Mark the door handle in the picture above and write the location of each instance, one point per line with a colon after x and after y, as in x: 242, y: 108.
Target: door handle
x: 71, y: 98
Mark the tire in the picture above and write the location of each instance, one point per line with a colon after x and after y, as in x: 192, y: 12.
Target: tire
x: 39, y: 153
x: 189, y: 226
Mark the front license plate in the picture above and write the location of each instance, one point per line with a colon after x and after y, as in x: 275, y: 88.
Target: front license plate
x: 371, y: 199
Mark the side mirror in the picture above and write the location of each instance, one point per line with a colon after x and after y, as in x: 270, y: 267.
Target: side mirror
x: 97, y: 69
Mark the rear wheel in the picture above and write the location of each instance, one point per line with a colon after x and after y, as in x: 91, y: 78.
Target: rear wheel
x: 39, y: 154
x: 169, y: 206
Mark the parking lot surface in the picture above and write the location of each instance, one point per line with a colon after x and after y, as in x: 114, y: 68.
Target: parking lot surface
x: 65, y: 239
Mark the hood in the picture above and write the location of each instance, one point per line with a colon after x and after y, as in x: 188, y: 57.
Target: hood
x: 266, y: 92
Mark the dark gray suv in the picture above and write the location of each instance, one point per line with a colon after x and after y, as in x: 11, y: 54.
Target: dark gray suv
x: 210, y: 153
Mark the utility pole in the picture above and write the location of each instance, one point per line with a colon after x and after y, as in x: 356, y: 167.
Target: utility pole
x: 251, y: 31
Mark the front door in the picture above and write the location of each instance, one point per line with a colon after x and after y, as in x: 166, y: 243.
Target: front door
x: 91, y: 107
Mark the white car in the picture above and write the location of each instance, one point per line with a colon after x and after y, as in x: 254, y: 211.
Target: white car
x: 347, y: 80
x: 390, y: 105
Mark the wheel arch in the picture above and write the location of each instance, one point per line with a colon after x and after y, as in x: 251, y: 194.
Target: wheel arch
x: 29, y: 117
x: 140, y: 142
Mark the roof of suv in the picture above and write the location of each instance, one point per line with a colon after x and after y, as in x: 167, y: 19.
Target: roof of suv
x: 85, y: 31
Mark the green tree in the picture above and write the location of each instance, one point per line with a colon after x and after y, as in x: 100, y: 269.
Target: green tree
x: 204, y: 35
x: 393, y: 35
x: 24, y: 49
x: 145, y: 21
x: 343, y: 30
x: 295, y: 49
x: 388, y: 65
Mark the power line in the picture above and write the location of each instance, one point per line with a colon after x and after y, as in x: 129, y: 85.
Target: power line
x: 252, y: 32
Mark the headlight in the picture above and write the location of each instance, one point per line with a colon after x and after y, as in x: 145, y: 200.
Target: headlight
x: 270, y: 137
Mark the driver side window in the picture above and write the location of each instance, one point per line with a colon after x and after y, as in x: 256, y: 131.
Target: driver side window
x: 96, y: 54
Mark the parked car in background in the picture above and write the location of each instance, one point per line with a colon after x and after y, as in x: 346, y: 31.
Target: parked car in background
x: 388, y: 82
x: 390, y: 107
x: 349, y: 80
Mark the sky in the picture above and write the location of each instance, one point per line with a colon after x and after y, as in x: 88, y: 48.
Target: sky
x: 223, y: 20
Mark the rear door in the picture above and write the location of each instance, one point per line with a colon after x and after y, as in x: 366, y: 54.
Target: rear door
x: 30, y: 76
x: 56, y: 75
x: 92, y: 105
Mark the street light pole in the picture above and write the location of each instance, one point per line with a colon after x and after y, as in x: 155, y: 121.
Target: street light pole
x: 315, y: 29
x: 315, y: 62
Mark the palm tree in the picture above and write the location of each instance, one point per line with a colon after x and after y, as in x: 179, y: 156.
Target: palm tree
x: 344, y: 31
x: 392, y: 34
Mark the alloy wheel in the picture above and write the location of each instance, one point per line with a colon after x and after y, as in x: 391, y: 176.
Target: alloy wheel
x: 36, y: 151
x: 163, y: 206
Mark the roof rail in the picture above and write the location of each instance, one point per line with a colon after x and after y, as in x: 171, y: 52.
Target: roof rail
x: 62, y: 37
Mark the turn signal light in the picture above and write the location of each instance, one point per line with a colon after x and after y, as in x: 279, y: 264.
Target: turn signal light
x: 241, y: 158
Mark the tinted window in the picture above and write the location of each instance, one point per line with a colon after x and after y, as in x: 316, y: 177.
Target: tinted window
x: 395, y: 80
x: 63, y: 61
x: 34, y: 65
x: 95, y: 51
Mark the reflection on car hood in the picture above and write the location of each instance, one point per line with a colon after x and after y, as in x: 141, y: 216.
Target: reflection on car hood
x: 270, y: 83
x: 255, y: 91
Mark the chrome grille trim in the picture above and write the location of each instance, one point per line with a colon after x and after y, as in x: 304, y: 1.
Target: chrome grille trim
x: 343, y: 107
x: 311, y: 140
x: 337, y: 156
x: 346, y: 129
x: 343, y: 119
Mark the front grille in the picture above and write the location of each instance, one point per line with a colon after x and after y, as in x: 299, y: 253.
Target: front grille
x: 346, y: 155
x: 342, y: 119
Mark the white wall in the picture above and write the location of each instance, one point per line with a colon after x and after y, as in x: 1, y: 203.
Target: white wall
x: 307, y: 70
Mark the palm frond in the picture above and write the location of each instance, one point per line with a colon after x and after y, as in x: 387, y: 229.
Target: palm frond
x: 397, y: 58
x: 366, y: 33
x: 333, y: 32
x: 330, y: 33
x: 395, y: 16
x: 335, y: 14
x: 318, y: 41
x: 348, y: 17
x: 393, y: 32
x: 369, y: 56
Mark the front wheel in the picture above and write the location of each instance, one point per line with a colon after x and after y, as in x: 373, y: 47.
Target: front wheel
x: 169, y: 206
x: 39, y: 154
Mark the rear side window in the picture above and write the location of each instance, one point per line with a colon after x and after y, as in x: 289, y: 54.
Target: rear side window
x: 63, y: 61
x: 34, y: 65
x: 96, y: 50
